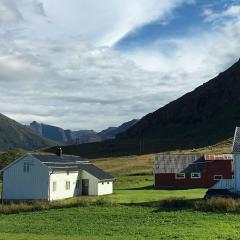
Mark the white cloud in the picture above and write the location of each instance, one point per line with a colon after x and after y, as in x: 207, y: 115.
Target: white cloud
x: 97, y: 22
x: 212, y: 16
x: 9, y: 12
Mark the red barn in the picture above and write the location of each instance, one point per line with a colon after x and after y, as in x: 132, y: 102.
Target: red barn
x: 191, y: 171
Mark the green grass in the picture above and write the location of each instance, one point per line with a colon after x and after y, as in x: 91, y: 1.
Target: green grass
x: 119, y: 222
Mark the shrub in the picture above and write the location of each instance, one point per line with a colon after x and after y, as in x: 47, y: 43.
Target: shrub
x: 218, y: 205
x: 103, y: 203
x: 176, y: 203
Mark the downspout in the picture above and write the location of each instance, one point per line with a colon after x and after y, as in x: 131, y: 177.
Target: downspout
x: 49, y: 185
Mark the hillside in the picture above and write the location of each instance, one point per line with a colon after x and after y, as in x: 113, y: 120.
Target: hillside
x: 200, y: 118
x: 15, y: 135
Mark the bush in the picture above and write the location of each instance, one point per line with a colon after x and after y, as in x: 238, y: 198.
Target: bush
x: 12, y: 208
x: 176, y: 203
x: 218, y: 205
x: 103, y: 203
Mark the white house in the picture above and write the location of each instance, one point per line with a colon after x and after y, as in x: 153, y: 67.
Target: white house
x: 234, y: 183
x: 53, y: 177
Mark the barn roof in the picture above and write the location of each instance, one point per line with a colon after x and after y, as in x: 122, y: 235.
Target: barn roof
x: 236, y: 141
x: 214, y: 157
x: 178, y: 163
x: 71, y: 163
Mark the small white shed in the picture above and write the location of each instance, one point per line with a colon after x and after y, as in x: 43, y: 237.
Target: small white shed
x: 53, y: 177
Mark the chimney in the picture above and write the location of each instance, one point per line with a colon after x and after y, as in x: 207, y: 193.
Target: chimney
x: 59, y: 152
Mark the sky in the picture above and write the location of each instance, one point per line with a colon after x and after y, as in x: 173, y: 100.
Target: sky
x: 92, y: 64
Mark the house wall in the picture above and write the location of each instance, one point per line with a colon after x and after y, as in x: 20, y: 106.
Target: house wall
x: 60, y: 179
x: 93, y: 183
x: 236, y: 157
x: 20, y: 185
x: 218, y: 167
x: 105, y: 187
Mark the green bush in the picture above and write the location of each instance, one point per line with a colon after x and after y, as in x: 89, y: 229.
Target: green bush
x: 218, y: 205
x: 176, y: 203
x: 12, y: 208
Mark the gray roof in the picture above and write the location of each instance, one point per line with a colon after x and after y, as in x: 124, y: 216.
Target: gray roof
x: 236, y: 141
x: 72, y: 163
x: 178, y: 163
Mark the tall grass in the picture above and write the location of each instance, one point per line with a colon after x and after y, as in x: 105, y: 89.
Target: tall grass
x: 211, y: 205
x: 13, y: 208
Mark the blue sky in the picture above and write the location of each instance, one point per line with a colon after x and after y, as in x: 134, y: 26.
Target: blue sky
x: 186, y: 20
x: 92, y: 64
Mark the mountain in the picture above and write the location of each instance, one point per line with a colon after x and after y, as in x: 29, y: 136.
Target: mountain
x: 203, y: 117
x: 112, y: 132
x: 65, y: 136
x: 78, y: 137
x: 15, y: 135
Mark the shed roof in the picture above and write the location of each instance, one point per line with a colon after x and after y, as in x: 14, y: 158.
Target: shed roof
x: 72, y: 163
x: 178, y: 163
x: 236, y: 141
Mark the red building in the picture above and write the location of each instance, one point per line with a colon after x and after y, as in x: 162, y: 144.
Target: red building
x: 191, y: 171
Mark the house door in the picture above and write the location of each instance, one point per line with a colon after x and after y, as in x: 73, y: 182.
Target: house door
x: 85, y: 186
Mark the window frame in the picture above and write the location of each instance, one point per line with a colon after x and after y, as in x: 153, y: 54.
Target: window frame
x: 54, y: 186
x: 67, y: 185
x: 26, y: 167
x: 217, y: 175
x: 177, y: 177
x: 198, y: 177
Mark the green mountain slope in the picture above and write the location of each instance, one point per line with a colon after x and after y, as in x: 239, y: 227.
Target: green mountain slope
x: 15, y: 135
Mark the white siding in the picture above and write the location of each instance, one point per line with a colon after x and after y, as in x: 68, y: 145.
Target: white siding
x: 20, y: 185
x: 61, y: 192
x: 93, y: 183
x: 105, y: 188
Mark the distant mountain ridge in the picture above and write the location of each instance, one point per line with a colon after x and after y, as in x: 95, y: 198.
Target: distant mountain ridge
x: 78, y: 137
x: 15, y: 135
x: 203, y: 117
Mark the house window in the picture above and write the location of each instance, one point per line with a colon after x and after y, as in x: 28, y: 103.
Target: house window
x: 195, y: 175
x: 54, y: 186
x: 107, y: 182
x: 180, y: 175
x: 26, y: 167
x: 67, y: 185
x: 77, y: 184
x: 217, y: 177
x: 102, y: 183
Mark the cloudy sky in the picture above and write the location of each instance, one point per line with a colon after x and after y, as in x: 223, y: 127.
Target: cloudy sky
x: 92, y: 64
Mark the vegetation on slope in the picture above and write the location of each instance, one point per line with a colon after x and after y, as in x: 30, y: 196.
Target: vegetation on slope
x: 15, y: 135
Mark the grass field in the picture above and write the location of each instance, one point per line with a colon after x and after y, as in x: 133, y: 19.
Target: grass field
x: 132, y: 218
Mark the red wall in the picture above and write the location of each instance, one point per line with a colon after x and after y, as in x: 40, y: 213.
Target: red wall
x: 211, y: 168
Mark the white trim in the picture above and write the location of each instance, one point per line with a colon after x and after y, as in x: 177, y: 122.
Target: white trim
x: 234, y: 138
x: 217, y: 175
x: 177, y: 177
x: 197, y: 177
